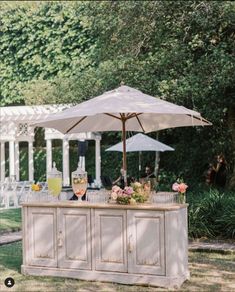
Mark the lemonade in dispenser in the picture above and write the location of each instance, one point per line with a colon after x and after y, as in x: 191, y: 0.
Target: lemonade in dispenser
x: 54, y: 181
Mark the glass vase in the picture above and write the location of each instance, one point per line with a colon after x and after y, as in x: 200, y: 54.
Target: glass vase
x: 182, y: 198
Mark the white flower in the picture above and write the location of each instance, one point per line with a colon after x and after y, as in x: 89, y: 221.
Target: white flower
x: 137, y: 185
x: 114, y: 196
x: 132, y: 201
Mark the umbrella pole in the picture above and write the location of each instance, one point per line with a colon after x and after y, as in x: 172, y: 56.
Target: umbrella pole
x: 124, y: 148
x: 140, y: 163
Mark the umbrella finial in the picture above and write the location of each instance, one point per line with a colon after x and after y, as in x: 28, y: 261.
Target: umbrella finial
x: 122, y: 83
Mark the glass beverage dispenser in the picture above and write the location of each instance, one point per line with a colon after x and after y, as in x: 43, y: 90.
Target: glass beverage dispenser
x: 79, y: 182
x: 54, y: 181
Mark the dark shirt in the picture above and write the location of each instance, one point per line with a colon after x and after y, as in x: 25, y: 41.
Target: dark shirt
x: 220, y: 175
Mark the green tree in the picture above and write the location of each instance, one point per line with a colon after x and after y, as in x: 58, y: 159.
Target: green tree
x: 182, y: 51
x: 41, y: 41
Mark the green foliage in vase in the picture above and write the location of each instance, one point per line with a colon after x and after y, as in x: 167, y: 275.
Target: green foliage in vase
x: 123, y: 200
x: 139, y: 198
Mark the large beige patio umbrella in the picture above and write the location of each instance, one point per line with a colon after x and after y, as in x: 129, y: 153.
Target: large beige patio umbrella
x: 123, y: 109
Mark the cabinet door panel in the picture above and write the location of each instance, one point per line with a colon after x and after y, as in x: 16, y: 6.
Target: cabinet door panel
x: 110, y: 240
x: 146, y: 242
x: 42, y: 236
x: 74, y: 238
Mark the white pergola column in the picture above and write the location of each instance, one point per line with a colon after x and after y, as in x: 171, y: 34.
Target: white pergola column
x: 12, y: 158
x: 31, y: 166
x: 3, y: 162
x: 82, y: 162
x: 97, y: 161
x: 49, y: 155
x: 17, y: 161
x: 66, y: 180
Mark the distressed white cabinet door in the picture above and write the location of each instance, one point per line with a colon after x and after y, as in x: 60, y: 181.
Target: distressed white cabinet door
x: 110, y: 240
x: 74, y: 238
x: 146, y: 254
x: 41, y: 237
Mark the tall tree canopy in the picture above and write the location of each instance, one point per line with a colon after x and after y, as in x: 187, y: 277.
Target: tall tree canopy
x: 182, y: 51
x: 40, y: 42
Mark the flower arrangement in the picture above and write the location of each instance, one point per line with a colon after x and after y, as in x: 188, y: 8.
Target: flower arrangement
x: 136, y: 193
x: 181, y: 188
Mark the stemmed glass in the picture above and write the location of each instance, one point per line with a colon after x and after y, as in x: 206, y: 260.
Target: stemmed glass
x: 79, y: 183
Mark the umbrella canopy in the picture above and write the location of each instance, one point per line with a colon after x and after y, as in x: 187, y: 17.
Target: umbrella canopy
x: 141, y: 113
x: 123, y: 109
x: 140, y: 142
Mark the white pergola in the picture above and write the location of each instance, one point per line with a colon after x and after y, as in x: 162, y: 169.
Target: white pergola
x: 15, y: 127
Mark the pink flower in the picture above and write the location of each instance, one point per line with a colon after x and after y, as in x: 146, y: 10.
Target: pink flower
x: 120, y: 192
x: 182, y: 188
x: 175, y: 187
x: 116, y: 189
x: 128, y: 190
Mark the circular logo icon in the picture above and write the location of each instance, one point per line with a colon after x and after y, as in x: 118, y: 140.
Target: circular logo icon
x: 9, y: 282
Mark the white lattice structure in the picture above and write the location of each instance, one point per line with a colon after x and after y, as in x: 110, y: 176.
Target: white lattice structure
x: 15, y: 127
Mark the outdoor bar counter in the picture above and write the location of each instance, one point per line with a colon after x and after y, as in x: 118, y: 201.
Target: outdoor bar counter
x: 130, y: 244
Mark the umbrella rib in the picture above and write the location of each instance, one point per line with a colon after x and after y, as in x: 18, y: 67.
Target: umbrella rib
x: 83, y: 118
x: 129, y: 116
x: 113, y: 116
x: 197, y: 118
x: 139, y: 122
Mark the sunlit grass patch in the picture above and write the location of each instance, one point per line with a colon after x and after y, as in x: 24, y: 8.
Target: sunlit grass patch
x: 10, y: 220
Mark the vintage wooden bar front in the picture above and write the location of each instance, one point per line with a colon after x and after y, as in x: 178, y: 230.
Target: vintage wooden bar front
x: 130, y: 244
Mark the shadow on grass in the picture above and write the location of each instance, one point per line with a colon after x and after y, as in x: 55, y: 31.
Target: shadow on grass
x: 11, y: 256
x: 217, y: 260
x: 10, y: 220
x: 209, y: 272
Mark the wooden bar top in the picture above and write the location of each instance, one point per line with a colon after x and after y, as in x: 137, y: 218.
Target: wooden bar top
x: 84, y: 204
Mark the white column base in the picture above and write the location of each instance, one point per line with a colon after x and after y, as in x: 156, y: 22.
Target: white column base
x: 12, y: 159
x: 3, y: 162
x: 17, y: 161
x: 31, y: 166
x: 66, y: 180
x: 97, y: 161
x: 49, y: 155
x: 82, y: 162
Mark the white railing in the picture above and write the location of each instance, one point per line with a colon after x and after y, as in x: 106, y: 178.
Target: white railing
x: 12, y: 193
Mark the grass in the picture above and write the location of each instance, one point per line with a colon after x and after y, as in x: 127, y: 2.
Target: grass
x: 10, y: 220
x: 209, y: 272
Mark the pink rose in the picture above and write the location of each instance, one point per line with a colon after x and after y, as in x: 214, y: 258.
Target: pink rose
x: 182, y: 188
x: 116, y: 189
x: 128, y: 190
x: 120, y: 192
x: 175, y: 187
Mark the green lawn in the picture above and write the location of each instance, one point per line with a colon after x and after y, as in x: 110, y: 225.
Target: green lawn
x: 209, y: 272
x: 10, y: 220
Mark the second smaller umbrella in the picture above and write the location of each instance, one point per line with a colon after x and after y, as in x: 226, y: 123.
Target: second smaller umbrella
x: 139, y: 143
